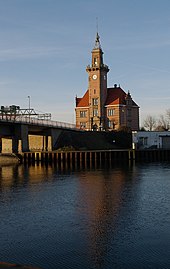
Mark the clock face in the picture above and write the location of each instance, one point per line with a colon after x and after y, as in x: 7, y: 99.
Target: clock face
x: 94, y: 76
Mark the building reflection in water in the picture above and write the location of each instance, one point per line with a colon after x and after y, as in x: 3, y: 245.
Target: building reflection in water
x: 102, y: 199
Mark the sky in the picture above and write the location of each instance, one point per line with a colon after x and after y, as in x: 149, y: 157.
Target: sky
x: 45, y: 46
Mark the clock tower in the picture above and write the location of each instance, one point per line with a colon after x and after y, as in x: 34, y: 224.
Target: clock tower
x: 102, y: 108
x: 97, y: 87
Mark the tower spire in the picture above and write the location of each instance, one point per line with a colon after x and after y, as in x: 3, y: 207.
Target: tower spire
x: 97, y: 41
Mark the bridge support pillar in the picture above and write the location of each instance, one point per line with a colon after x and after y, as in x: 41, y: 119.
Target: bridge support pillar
x: 45, y: 142
x: 15, y: 142
x: 24, y: 138
x: 54, y: 137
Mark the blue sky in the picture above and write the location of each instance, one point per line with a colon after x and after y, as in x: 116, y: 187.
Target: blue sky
x: 46, y: 45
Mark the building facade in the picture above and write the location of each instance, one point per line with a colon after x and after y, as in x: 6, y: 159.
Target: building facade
x: 102, y: 108
x: 151, y: 140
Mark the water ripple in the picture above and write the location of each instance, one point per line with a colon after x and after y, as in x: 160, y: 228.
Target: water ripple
x: 98, y: 218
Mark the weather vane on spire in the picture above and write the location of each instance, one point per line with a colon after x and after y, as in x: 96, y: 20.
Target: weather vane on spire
x: 97, y: 41
x: 97, y: 24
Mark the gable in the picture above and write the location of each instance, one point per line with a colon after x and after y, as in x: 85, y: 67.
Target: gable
x: 84, y: 101
x: 116, y: 96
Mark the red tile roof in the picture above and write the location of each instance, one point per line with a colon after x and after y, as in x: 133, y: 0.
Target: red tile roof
x: 84, y: 101
x: 115, y: 96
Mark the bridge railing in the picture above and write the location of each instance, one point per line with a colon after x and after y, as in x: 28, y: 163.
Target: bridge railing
x: 39, y: 122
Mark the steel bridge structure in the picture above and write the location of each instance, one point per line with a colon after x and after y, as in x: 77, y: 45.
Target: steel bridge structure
x: 17, y: 124
x: 15, y: 114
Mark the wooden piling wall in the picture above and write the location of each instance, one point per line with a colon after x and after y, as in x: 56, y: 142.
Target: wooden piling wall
x: 93, y: 158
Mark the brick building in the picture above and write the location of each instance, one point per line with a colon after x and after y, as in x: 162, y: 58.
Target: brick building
x: 103, y: 108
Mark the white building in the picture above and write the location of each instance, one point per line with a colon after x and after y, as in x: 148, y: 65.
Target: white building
x: 151, y: 139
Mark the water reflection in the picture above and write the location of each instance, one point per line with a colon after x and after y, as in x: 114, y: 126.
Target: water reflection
x: 19, y: 175
x: 102, y: 196
x: 55, y: 217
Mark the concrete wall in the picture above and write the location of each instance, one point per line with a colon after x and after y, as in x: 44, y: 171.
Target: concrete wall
x: 36, y: 143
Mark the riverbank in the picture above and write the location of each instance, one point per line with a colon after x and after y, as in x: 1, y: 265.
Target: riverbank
x: 8, y: 159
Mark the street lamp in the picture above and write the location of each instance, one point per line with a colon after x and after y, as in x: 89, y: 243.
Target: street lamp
x: 29, y: 104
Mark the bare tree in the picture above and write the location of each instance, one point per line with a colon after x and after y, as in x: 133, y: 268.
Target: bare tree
x: 163, y: 122
x: 149, y: 123
x: 168, y: 113
x: 168, y: 117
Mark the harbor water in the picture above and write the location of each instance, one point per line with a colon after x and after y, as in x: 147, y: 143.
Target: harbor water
x: 106, y: 217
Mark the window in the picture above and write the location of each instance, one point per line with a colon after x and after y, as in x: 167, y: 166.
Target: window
x: 128, y: 102
x: 143, y: 141
x: 82, y: 125
x: 110, y: 112
x: 94, y: 91
x: 82, y: 114
x: 111, y: 124
x: 95, y: 61
x: 129, y: 112
x: 95, y: 112
x: 95, y: 101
